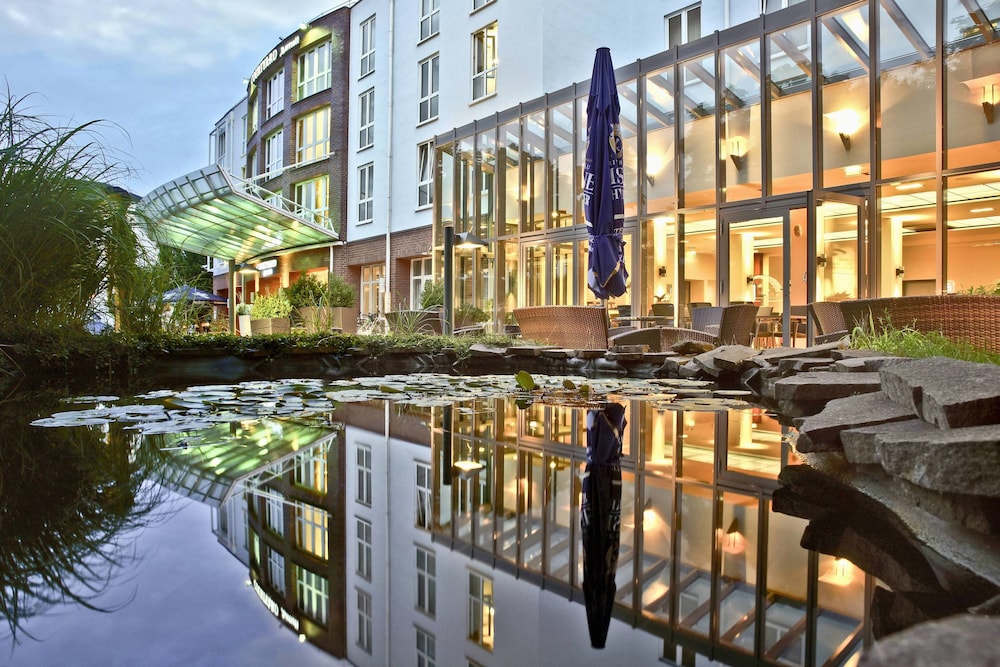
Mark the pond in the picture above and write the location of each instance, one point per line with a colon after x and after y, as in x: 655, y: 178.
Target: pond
x: 422, y: 519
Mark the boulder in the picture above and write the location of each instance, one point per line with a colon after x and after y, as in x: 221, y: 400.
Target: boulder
x: 821, y: 432
x: 956, y: 640
x: 946, y: 392
x: 956, y: 461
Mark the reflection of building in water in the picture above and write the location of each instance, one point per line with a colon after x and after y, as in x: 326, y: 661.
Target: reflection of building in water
x: 450, y: 535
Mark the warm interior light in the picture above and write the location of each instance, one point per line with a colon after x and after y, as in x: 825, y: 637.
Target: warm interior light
x: 840, y: 573
x: 845, y: 122
x: 909, y: 186
x: 853, y: 170
x: 986, y: 209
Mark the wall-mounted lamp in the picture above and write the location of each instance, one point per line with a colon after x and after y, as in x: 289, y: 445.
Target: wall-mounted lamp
x: 469, y: 241
x: 900, y: 271
x: 737, y: 151
x: 986, y: 88
x: 820, y: 260
x: 988, y: 98
x: 845, y: 123
x: 749, y: 280
x: 662, y: 272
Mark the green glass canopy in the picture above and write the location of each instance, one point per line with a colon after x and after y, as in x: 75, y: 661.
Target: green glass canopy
x: 213, y: 213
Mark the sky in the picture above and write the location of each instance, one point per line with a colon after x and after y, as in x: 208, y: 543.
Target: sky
x: 156, y: 75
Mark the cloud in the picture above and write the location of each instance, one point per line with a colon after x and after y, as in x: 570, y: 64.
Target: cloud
x: 182, y: 34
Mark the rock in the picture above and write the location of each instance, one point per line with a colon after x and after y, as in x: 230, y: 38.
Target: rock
x: 688, y: 347
x: 825, y: 386
x: 946, y: 392
x: 799, y: 364
x: 821, y: 432
x: 732, y: 357
x: 860, y: 443
x: 669, y: 369
x: 867, y: 363
x: 956, y: 640
x: 956, y: 461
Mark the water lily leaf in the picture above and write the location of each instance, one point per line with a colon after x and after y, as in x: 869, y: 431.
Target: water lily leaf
x: 524, y: 380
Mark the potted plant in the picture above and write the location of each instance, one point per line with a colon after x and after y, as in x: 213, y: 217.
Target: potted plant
x: 270, y: 312
x: 243, y: 311
x: 469, y: 315
x: 318, y: 305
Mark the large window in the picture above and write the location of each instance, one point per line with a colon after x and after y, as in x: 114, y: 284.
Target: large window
x: 368, y: 47
x: 430, y: 15
x: 366, y: 116
x: 313, y: 593
x: 364, y: 530
x: 366, y: 193
x: 364, y: 460
x: 311, y: 469
x: 484, y: 62
x: 314, y: 71
x: 481, y: 610
x: 424, y: 500
x: 421, y: 274
x: 276, y: 570
x: 426, y: 581
x: 311, y: 529
x: 426, y: 651
x: 273, y: 153
x: 274, y: 517
x: 252, y: 116
x: 312, y: 136
x: 371, y: 288
x: 429, y: 86
x: 365, y: 621
x: 274, y: 94
x: 425, y: 174
x: 313, y: 199
x: 683, y: 26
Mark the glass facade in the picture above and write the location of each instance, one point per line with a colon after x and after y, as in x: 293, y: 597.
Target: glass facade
x: 866, y: 151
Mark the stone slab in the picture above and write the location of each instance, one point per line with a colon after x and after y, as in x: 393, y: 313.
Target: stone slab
x: 774, y: 354
x: 799, y: 364
x: 732, y: 357
x: 860, y: 443
x: 867, y: 363
x: 946, y: 392
x: 825, y: 385
x: 965, y: 640
x: 962, y: 460
x: 822, y: 431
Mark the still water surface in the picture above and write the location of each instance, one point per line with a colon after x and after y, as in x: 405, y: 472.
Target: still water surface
x: 420, y: 520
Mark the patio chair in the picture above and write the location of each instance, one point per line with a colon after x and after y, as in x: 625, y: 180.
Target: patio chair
x: 829, y: 320
x: 767, y: 326
x: 665, y: 311
x: 572, y: 327
x: 718, y: 325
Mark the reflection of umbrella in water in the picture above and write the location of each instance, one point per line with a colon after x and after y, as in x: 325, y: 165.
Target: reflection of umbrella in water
x: 604, y: 183
x: 193, y: 294
x: 600, y: 516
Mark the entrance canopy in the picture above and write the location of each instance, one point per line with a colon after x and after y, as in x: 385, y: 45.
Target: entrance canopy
x: 213, y: 213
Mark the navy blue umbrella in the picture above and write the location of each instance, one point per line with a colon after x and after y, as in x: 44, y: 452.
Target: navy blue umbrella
x: 600, y: 516
x: 604, y: 183
x: 188, y: 293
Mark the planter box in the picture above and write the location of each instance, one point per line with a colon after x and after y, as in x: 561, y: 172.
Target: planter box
x: 320, y: 318
x: 271, y: 325
x: 243, y: 323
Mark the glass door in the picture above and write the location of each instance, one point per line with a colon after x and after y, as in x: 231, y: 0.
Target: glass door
x: 839, y: 242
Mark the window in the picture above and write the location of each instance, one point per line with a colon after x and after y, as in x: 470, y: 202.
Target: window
x: 421, y: 274
x: 254, y: 170
x: 220, y: 146
x: 484, y: 62
x: 481, y: 610
x: 684, y: 26
x: 276, y: 570
x: 426, y: 581
x: 366, y: 137
x: 311, y: 529
x: 313, y: 594
x: 312, y: 199
x: 364, y: 549
x: 310, y: 466
x: 424, y: 516
x: 366, y: 194
x: 274, y: 94
x: 252, y: 118
x: 476, y: 4
x: 273, y: 153
x: 312, y: 136
x: 274, y: 517
x: 364, y: 459
x: 365, y: 621
x: 429, y: 18
x: 425, y: 174
x: 371, y: 288
x: 314, y: 71
x: 429, y: 86
x: 425, y: 649
x: 368, y: 47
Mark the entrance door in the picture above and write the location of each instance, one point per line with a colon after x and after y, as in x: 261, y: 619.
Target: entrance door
x: 758, y: 267
x: 838, y: 241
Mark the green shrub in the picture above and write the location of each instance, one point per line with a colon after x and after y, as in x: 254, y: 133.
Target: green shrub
x: 432, y: 296
x: 308, y: 290
x: 271, y: 304
x: 908, y: 342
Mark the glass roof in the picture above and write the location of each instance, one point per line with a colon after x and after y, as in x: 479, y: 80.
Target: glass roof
x: 213, y: 213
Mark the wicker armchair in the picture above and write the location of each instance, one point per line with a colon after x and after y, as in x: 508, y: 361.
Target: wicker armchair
x: 571, y: 327
x: 829, y: 320
x: 718, y: 325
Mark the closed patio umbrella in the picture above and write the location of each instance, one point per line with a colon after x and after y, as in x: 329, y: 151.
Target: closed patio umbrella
x: 193, y: 294
x: 603, y: 183
x: 600, y: 516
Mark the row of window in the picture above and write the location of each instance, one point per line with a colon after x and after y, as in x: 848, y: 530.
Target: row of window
x: 313, y: 73
x: 429, y: 22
